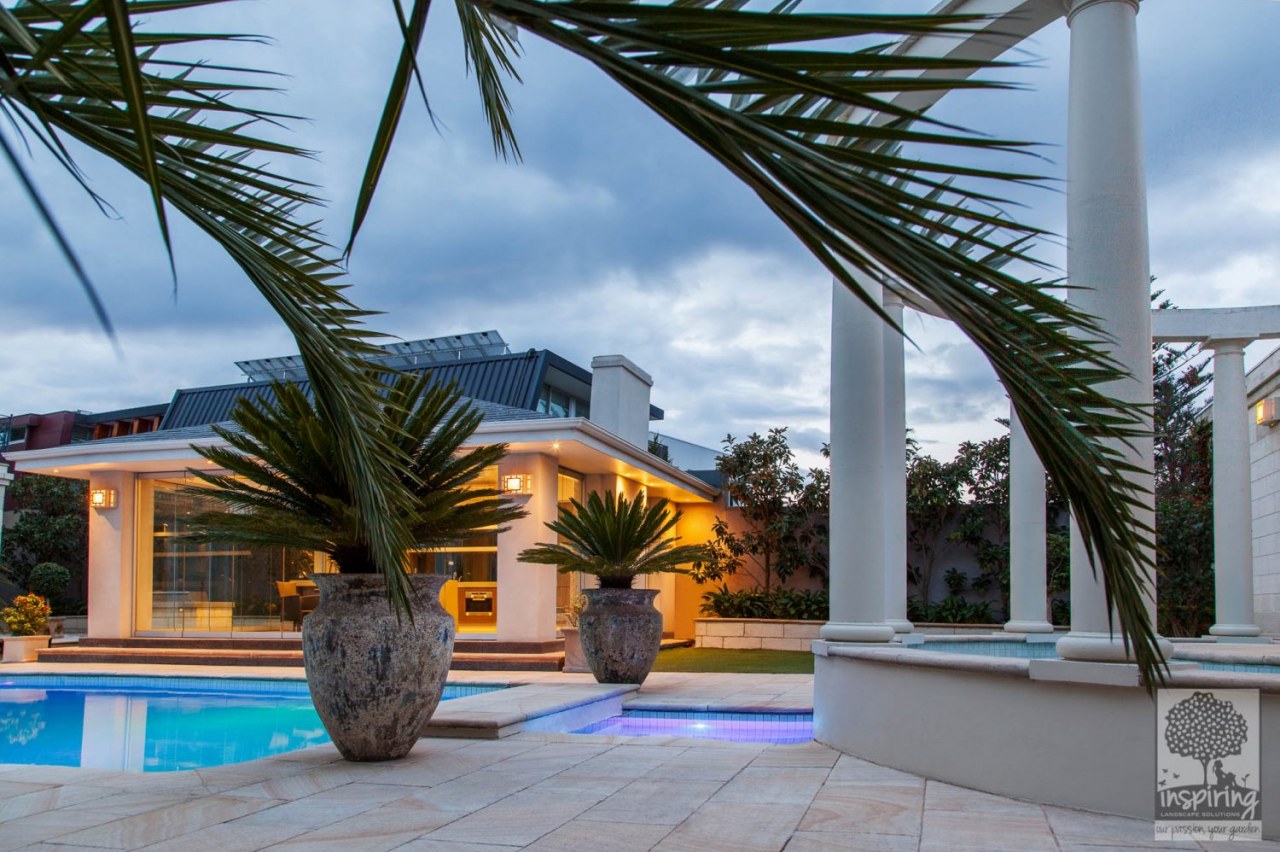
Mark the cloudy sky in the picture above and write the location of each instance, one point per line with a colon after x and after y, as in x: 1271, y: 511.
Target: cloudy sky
x: 615, y: 234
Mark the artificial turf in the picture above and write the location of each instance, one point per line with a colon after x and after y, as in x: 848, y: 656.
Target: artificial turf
x: 719, y: 660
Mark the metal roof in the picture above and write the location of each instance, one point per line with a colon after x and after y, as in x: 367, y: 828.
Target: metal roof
x: 511, y: 381
x: 514, y: 381
x: 492, y: 412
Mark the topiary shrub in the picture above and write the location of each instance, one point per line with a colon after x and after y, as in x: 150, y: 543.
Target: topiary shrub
x: 49, y: 580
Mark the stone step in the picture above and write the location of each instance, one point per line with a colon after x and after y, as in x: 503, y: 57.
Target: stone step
x: 464, y: 646
x: 241, y: 657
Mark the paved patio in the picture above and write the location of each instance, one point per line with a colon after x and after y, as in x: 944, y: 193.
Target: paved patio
x: 546, y: 792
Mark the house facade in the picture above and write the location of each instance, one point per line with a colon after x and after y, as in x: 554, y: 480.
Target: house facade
x: 569, y: 432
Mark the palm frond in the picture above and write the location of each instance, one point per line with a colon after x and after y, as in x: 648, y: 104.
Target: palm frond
x: 77, y: 70
x: 844, y: 188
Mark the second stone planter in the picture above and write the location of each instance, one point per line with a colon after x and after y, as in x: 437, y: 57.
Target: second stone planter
x: 621, y: 633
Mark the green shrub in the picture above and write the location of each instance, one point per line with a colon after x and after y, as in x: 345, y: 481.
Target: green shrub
x: 49, y: 580
x: 791, y: 604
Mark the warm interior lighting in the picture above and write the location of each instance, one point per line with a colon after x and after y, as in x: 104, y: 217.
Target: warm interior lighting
x: 517, y: 483
x: 102, y: 498
x: 1267, y: 411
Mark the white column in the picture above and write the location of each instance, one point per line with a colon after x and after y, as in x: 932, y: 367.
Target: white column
x: 1027, y: 548
x: 895, y: 471
x: 1232, y: 495
x: 113, y: 578
x: 1107, y: 256
x: 527, y: 593
x: 857, y: 470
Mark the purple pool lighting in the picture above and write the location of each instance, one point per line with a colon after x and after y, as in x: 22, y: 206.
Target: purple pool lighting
x: 778, y: 728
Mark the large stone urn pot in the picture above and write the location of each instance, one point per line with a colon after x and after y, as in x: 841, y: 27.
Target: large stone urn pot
x: 621, y: 633
x: 376, y: 679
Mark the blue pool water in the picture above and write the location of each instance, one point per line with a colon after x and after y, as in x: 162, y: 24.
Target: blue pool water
x: 157, y: 724
x: 781, y: 728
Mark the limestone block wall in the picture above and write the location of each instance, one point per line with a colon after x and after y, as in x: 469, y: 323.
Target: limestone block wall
x: 1265, y: 475
x: 755, y: 634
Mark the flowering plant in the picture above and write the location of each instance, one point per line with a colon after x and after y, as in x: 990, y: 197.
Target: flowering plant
x: 29, y: 615
x: 576, y: 606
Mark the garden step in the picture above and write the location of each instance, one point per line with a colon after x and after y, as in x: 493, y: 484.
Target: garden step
x: 201, y: 656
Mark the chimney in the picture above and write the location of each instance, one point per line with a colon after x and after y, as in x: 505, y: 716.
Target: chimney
x: 620, y: 397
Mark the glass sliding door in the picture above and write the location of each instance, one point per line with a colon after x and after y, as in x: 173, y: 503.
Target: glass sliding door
x: 210, y: 588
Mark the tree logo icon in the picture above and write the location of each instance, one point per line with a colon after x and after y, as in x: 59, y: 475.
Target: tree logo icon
x: 1207, y: 761
x: 1205, y: 728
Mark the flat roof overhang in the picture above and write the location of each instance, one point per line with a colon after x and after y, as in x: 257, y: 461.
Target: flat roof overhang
x: 579, y: 445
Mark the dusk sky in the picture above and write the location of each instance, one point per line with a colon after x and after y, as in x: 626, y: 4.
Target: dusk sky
x: 615, y: 234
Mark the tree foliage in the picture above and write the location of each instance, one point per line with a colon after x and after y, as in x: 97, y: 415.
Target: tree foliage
x: 783, y: 512
x: 935, y: 500
x: 1184, y: 493
x: 51, y: 525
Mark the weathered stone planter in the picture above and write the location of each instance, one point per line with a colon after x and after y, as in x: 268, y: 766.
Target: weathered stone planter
x: 375, y: 679
x: 575, y: 662
x: 621, y: 633
x: 23, y: 649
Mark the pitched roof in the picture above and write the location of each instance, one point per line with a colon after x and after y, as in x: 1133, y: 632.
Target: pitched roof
x: 493, y: 412
x: 510, y: 381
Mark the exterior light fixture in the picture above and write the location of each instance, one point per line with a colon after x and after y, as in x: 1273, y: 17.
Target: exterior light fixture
x: 1267, y: 411
x: 102, y: 498
x: 517, y: 483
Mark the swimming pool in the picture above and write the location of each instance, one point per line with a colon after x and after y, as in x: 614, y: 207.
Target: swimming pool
x: 154, y: 724
x: 778, y: 728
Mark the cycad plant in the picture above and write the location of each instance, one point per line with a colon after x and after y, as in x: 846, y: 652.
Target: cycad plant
x: 615, y: 540
x: 284, y: 486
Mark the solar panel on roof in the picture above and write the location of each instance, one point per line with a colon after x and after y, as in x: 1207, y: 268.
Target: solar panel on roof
x: 400, y: 355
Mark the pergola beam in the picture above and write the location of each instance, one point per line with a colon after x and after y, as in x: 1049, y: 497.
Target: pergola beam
x: 1197, y: 325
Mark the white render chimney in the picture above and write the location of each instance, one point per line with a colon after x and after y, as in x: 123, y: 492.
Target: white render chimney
x: 620, y: 397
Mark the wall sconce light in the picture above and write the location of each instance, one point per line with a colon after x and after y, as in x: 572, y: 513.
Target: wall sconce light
x: 517, y: 483
x: 102, y: 498
x: 1267, y: 411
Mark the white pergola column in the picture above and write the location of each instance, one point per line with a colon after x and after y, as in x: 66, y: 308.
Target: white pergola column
x: 857, y: 543
x: 1028, y: 552
x: 895, y: 470
x: 1107, y: 256
x: 1232, y: 496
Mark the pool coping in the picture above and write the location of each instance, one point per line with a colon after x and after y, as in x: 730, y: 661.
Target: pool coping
x: 1188, y: 674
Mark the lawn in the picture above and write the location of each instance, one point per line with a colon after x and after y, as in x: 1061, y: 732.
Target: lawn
x: 718, y: 660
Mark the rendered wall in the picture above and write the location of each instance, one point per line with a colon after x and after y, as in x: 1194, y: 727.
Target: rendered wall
x: 1070, y: 744
x: 111, y: 574
x: 527, y: 593
x: 1264, y: 454
x: 1264, y: 473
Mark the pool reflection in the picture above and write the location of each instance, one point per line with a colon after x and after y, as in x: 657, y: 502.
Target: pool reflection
x: 150, y: 733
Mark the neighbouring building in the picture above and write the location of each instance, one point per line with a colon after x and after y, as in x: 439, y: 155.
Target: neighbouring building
x: 570, y: 431
x: 1263, y: 388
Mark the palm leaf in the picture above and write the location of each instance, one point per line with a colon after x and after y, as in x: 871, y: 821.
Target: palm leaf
x: 76, y: 70
x: 769, y: 96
